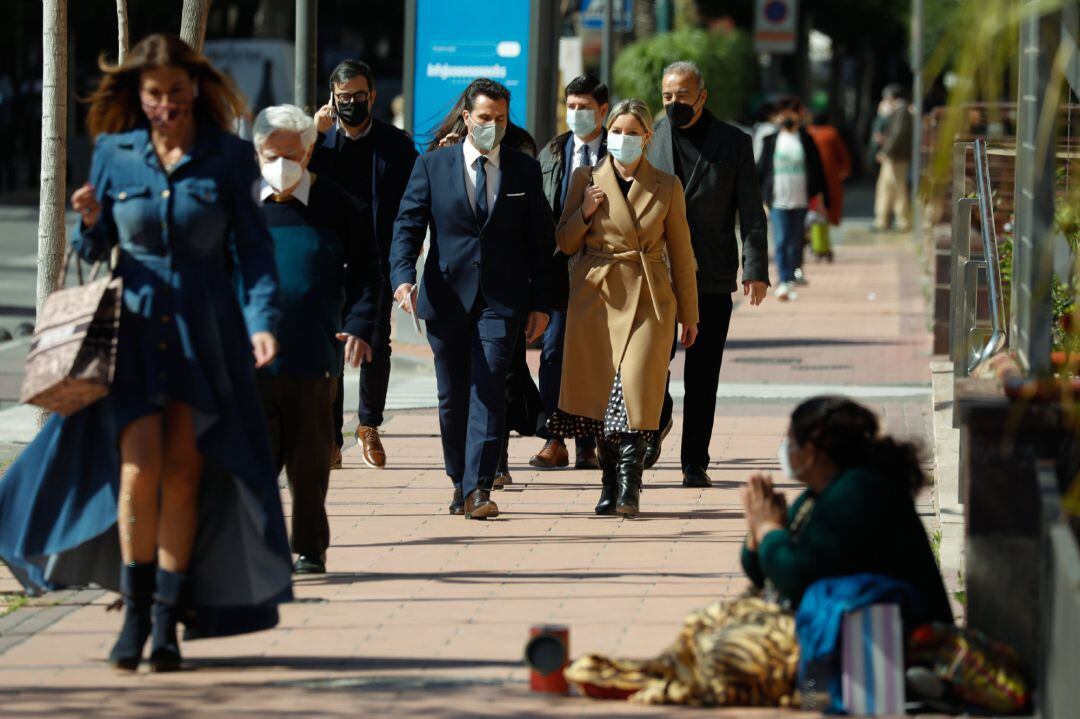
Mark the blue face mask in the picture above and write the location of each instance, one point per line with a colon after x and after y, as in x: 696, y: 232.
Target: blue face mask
x: 625, y: 148
x: 581, y: 122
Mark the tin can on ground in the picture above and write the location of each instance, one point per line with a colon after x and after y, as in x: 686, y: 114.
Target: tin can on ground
x: 547, y: 654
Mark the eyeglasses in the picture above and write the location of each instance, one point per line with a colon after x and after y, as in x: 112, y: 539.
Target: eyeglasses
x: 348, y: 98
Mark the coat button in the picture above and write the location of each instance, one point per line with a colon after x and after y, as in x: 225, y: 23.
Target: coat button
x: 164, y: 193
x: 162, y: 346
x: 122, y: 196
x: 164, y: 319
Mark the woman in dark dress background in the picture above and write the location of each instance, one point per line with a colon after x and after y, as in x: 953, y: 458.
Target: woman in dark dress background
x: 177, y: 456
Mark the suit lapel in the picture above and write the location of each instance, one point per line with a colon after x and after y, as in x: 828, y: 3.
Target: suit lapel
x: 642, y: 191
x: 504, y: 167
x: 457, y: 179
x: 661, y: 152
x: 617, y: 207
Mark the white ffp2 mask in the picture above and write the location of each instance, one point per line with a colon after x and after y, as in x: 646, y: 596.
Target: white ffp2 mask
x: 282, y: 173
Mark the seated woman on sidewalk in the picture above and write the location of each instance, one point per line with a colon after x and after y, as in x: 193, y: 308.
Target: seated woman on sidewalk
x: 856, y: 516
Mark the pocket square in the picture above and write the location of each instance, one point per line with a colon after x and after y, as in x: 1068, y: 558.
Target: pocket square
x: 515, y: 194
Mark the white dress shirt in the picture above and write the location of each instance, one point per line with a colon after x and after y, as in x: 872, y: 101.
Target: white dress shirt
x: 491, y: 168
x: 594, y: 152
x: 301, y: 192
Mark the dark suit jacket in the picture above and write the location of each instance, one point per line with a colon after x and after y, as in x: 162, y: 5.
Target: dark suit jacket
x: 508, y: 260
x: 723, y: 183
x: 554, y: 159
x: 815, y: 170
x: 392, y: 163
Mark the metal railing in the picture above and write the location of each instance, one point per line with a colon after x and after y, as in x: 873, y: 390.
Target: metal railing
x: 972, y: 343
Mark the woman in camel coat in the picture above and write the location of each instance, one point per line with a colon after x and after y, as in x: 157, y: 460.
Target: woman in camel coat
x: 632, y: 277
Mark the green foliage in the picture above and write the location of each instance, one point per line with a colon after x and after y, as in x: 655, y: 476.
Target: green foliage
x: 726, y: 59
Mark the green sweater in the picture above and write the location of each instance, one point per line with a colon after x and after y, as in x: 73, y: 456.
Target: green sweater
x: 859, y: 523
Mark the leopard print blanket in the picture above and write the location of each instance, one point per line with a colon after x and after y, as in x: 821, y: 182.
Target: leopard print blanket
x: 738, y: 652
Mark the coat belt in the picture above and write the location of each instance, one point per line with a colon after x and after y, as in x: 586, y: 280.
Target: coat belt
x: 641, y: 257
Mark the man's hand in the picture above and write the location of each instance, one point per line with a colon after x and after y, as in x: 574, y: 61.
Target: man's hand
x: 403, y: 296
x: 535, y: 326
x: 356, y: 349
x: 264, y: 347
x: 756, y: 291
x: 688, y: 336
x: 324, y: 118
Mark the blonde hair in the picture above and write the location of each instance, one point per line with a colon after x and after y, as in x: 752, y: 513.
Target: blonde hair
x: 631, y: 106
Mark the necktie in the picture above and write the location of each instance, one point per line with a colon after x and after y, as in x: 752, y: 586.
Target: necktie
x: 583, y: 157
x: 481, y: 191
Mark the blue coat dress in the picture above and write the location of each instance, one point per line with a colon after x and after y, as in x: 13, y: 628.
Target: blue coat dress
x: 183, y: 236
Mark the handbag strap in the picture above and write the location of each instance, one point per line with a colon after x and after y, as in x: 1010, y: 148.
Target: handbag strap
x: 95, y: 268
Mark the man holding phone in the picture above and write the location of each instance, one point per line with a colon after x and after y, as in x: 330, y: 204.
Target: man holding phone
x: 372, y: 159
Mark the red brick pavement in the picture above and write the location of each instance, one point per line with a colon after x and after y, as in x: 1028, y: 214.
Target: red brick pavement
x: 423, y: 614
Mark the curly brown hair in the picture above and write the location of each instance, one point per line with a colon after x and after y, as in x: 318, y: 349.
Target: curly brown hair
x: 115, y: 106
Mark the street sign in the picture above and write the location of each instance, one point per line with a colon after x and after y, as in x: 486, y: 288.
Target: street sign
x: 622, y: 15
x: 456, y: 44
x: 776, y: 26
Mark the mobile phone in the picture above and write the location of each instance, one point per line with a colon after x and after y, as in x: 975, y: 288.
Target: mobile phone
x: 333, y: 107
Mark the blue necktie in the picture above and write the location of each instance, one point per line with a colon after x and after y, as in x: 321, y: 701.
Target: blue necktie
x: 583, y: 157
x: 481, y: 191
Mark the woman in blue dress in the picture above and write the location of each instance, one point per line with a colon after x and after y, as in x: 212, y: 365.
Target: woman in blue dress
x: 165, y: 489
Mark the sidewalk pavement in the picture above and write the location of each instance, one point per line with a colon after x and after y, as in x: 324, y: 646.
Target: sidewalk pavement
x: 424, y: 614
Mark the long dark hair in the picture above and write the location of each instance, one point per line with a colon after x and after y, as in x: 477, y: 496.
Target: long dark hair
x: 516, y: 137
x: 849, y: 435
x: 115, y: 107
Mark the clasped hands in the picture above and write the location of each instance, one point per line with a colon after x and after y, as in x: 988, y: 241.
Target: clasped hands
x: 765, y: 508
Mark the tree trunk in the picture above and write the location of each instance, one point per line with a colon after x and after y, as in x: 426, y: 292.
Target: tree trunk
x: 193, y: 23
x: 122, y: 30
x: 54, y: 91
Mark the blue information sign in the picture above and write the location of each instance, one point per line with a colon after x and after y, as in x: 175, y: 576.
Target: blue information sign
x: 459, y: 42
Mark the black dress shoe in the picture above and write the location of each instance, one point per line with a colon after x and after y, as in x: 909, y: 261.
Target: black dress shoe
x: 478, y: 505
x: 308, y: 564
x: 655, y: 445
x: 457, y: 504
x: 695, y: 476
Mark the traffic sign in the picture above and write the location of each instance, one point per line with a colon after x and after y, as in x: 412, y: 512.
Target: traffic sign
x: 776, y: 26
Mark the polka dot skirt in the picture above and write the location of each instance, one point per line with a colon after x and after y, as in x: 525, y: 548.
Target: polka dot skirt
x: 615, y: 422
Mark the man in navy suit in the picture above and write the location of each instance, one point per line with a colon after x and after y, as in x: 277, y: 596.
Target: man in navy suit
x: 487, y: 275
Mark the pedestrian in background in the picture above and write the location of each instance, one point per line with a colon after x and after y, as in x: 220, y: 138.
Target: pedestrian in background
x: 628, y: 221
x: 372, y: 160
x: 892, y: 196
x: 583, y: 145
x: 178, y: 449
x: 486, y: 278
x: 524, y: 410
x: 836, y: 163
x: 715, y: 162
x: 792, y: 178
x: 325, y: 251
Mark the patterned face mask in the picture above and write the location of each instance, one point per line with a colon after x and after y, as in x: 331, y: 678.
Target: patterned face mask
x: 164, y: 114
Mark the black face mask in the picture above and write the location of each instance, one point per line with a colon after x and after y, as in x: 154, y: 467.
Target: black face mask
x: 354, y: 114
x: 680, y: 113
x: 788, y: 123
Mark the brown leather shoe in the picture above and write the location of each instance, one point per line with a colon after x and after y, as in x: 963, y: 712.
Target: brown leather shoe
x: 374, y: 454
x: 335, y: 457
x: 552, y: 456
x: 478, y: 505
x: 501, y: 480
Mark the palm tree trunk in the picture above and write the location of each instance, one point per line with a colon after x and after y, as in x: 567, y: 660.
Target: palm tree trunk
x: 193, y: 23
x: 54, y: 91
x: 122, y: 30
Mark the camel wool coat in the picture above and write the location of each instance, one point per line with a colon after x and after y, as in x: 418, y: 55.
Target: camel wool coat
x: 624, y: 300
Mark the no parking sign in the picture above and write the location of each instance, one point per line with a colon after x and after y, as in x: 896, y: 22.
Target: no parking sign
x: 775, y: 26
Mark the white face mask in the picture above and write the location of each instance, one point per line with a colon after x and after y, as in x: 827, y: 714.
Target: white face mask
x: 581, y: 122
x: 282, y: 173
x: 784, y: 456
x: 625, y: 148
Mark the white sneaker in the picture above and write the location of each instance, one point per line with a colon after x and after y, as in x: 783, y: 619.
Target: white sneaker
x: 782, y: 291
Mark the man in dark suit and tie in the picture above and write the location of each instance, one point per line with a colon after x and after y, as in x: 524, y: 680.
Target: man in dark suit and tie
x: 487, y: 276
x: 715, y: 162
